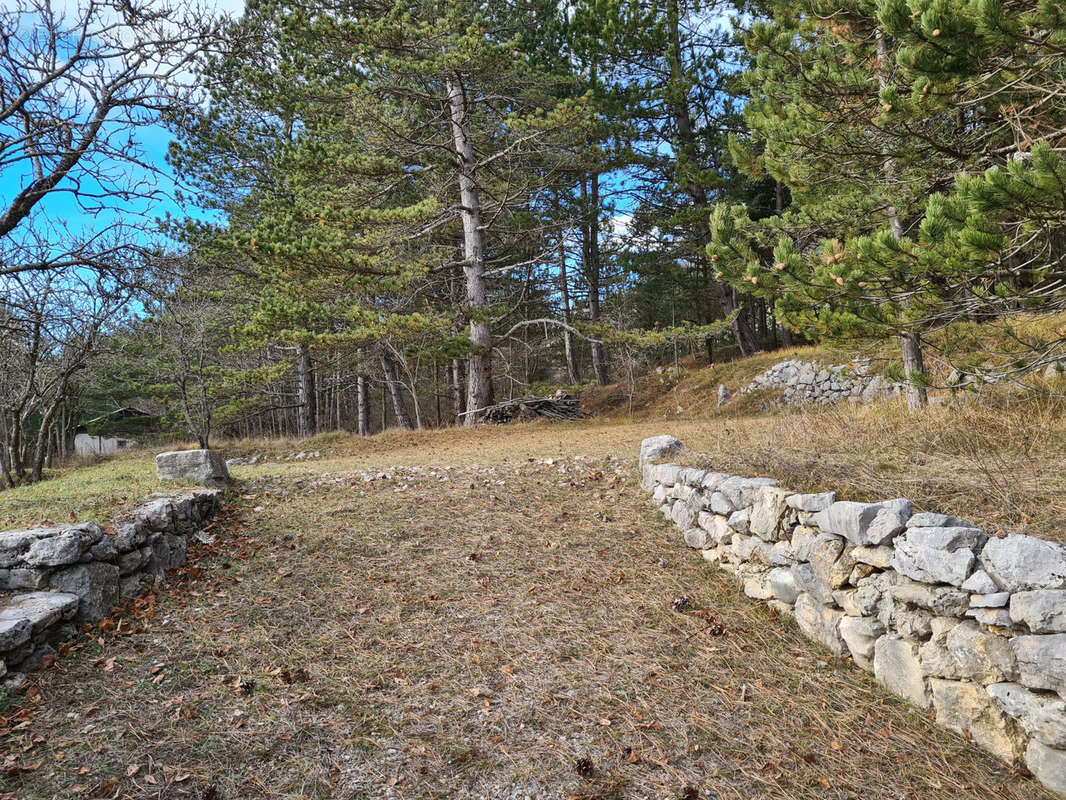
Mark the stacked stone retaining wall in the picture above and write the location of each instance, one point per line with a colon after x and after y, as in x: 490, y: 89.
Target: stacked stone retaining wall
x: 970, y: 626
x: 67, y: 574
x: 807, y: 383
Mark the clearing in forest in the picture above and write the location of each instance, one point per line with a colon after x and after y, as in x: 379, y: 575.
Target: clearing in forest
x: 409, y: 624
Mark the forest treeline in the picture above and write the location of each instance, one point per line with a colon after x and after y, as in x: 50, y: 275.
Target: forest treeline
x: 400, y: 213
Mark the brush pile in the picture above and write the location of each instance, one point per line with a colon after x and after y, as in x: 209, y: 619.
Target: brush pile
x: 558, y: 407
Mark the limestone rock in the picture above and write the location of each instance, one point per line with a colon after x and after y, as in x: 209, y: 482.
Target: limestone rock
x: 994, y: 600
x: 889, y: 522
x: 751, y: 548
x: 880, y: 557
x: 96, y: 586
x: 992, y: 617
x: 698, y: 538
x: 944, y: 601
x: 723, y: 395
x: 128, y: 536
x: 738, y: 520
x: 781, y: 554
x: 1042, y: 716
x: 1019, y: 563
x: 132, y: 561
x: 14, y: 543
x: 825, y: 553
x: 783, y: 585
x: 860, y: 634
x: 168, y: 551
x: 206, y: 467
x: 757, y: 585
x: 848, y: 519
x: 859, y: 571
x: 683, y: 515
x: 851, y: 601
x: 819, y: 622
x: 937, y: 661
x: 27, y: 578
x: 63, y: 545
x: 716, y: 527
x: 928, y: 519
x: 741, y: 491
x: 980, y: 583
x: 720, y: 504
x: 803, y: 538
x: 912, y: 623
x: 937, y: 555
x: 811, y: 502
x: 1041, y: 661
x: 658, y: 448
x: 13, y: 632
x: 666, y: 474
x: 898, y: 668
x: 1048, y: 765
x: 41, y: 609
x: 981, y: 656
x: 967, y: 709
x: 1042, y: 610
x: 767, y: 512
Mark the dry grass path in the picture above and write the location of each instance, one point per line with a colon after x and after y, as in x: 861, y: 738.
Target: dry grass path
x: 500, y: 631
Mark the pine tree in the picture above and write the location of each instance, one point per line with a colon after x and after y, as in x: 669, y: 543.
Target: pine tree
x: 876, y: 119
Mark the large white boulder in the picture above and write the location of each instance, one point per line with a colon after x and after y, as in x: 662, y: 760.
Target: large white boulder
x: 938, y: 555
x: 205, y: 467
x: 1018, y: 562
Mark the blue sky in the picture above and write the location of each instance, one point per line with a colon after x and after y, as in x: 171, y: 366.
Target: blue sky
x: 62, y: 208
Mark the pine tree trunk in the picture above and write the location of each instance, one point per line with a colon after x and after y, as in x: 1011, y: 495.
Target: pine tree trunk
x: 786, y: 335
x: 307, y: 416
x: 590, y: 240
x: 392, y: 380
x: 362, y: 409
x: 686, y: 140
x: 564, y: 299
x: 458, y: 379
x: 911, y: 342
x: 479, y: 387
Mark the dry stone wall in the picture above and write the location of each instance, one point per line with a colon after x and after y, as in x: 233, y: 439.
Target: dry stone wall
x: 806, y: 383
x: 68, y: 574
x: 970, y: 626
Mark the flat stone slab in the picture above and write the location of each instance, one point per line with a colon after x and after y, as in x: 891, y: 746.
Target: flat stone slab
x: 40, y: 609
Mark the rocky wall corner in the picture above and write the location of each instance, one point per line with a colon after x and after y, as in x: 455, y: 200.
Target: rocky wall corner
x: 969, y: 626
x: 52, y: 579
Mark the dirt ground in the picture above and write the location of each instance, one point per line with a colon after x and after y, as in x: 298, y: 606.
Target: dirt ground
x: 390, y: 624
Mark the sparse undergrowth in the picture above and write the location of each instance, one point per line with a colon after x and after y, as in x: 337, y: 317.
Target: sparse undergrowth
x: 442, y: 631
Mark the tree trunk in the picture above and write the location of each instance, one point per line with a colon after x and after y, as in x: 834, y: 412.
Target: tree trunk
x: 910, y: 341
x: 590, y: 240
x: 307, y: 412
x: 392, y: 380
x: 786, y: 335
x: 479, y: 388
x: 43, y: 433
x: 458, y: 378
x: 679, y: 109
x: 564, y: 300
x: 362, y: 410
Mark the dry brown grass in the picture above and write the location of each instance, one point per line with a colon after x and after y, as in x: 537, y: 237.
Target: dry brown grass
x: 452, y: 631
x: 1001, y: 467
